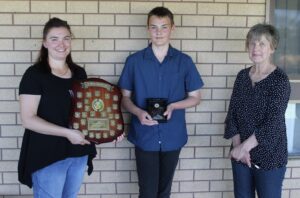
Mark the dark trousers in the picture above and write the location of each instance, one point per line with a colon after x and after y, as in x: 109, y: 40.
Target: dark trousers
x: 267, y: 183
x: 155, y: 172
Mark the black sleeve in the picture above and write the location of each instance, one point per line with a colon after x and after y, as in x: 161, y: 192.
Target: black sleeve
x: 268, y: 133
x: 79, y: 73
x: 30, y: 82
x: 231, y: 126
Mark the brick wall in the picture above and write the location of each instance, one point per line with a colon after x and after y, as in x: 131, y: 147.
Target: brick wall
x: 212, y: 32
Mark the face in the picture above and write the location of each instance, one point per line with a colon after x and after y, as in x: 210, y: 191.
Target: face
x: 58, y: 43
x: 160, y: 29
x: 260, y: 51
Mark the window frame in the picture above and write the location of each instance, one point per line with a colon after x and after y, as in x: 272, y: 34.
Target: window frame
x: 295, y: 83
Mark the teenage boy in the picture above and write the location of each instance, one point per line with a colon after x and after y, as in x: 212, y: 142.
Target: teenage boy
x: 158, y: 72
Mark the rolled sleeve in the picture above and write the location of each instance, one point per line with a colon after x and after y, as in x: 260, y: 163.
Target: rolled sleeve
x: 126, y: 78
x: 231, y: 125
x: 193, y: 78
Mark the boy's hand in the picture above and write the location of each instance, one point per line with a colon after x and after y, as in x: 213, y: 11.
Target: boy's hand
x: 119, y: 138
x: 169, y: 111
x: 146, y: 119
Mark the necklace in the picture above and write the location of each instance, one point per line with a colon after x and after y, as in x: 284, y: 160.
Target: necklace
x: 257, y: 76
x: 62, y: 74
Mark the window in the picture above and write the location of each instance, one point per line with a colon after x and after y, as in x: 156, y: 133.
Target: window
x: 293, y: 128
x: 287, y: 20
x: 285, y: 16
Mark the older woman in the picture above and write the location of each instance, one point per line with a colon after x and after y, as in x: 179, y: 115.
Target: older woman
x: 255, y: 121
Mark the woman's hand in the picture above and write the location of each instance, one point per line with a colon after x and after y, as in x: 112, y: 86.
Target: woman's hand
x: 76, y: 137
x: 240, y: 153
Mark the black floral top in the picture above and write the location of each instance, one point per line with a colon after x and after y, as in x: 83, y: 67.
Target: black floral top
x: 260, y: 109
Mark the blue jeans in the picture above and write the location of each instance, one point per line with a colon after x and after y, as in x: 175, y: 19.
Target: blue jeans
x: 61, y: 179
x: 267, y: 183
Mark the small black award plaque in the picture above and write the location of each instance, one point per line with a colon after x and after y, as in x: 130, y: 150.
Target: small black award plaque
x: 156, y: 108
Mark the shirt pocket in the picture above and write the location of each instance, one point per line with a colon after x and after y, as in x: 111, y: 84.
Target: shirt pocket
x: 175, y: 84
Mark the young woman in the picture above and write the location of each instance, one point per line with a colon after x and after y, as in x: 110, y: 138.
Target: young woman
x: 53, y: 157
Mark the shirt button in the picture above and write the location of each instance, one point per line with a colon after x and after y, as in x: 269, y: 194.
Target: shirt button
x: 159, y: 142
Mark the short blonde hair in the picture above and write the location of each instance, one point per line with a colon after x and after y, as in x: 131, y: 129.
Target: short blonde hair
x: 267, y: 30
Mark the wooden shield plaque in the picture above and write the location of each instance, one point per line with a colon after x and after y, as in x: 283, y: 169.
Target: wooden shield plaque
x: 96, y: 110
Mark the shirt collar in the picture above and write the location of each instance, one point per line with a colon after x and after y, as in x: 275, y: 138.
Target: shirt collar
x: 148, y: 54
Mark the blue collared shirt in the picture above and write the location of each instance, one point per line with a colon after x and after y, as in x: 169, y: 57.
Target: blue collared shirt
x: 146, y: 77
